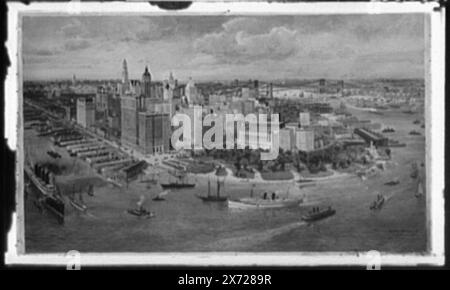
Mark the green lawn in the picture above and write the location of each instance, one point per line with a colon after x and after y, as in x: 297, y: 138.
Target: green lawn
x: 277, y: 175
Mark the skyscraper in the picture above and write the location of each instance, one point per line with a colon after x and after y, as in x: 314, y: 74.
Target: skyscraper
x: 146, y: 83
x: 125, y: 80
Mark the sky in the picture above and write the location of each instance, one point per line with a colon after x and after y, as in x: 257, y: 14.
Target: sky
x: 224, y: 47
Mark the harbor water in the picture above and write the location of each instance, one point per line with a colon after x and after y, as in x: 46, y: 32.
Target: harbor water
x: 184, y: 223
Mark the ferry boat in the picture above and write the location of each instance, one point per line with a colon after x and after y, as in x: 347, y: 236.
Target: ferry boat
x: 49, y: 196
x: 264, y: 202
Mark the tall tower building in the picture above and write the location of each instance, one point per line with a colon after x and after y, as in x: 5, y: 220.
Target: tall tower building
x: 125, y: 80
x: 146, y: 83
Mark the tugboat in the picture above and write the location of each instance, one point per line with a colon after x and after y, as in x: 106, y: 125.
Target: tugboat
x: 140, y: 211
x: 212, y: 198
x: 378, y: 203
x: 49, y: 196
x: 318, y: 214
x: 179, y: 183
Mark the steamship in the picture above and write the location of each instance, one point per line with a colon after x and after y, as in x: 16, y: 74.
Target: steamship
x: 48, y: 194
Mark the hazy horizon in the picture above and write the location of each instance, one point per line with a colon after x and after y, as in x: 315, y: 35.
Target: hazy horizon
x: 223, y: 48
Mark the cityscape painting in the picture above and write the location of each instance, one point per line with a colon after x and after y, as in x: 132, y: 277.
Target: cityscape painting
x: 214, y: 133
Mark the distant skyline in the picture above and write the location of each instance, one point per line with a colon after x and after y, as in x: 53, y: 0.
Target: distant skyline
x: 209, y: 48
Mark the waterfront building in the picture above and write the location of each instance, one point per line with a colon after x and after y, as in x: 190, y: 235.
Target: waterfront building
x: 154, y: 132
x: 129, y: 120
x: 145, y: 114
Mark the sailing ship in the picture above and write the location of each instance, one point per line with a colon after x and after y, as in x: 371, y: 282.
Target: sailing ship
x: 264, y: 202
x: 213, y: 198
x: 180, y: 182
x: 49, y: 196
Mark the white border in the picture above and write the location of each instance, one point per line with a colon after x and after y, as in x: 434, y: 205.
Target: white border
x: 435, y: 138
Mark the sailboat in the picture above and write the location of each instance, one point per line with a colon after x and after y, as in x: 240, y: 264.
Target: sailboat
x: 159, y: 196
x: 213, y: 198
x: 419, y: 191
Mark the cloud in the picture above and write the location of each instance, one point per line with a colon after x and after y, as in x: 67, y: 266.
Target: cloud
x: 77, y: 44
x: 34, y: 51
x: 236, y: 44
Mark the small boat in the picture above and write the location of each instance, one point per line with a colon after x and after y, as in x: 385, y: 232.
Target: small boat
x: 114, y: 182
x: 416, y: 122
x: 395, y: 143
x: 378, y: 203
x: 159, y: 196
x: 392, y: 182
x: 414, y: 132
x: 213, y: 198
x: 77, y: 204
x: 318, y: 214
x: 54, y: 154
x: 388, y: 130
